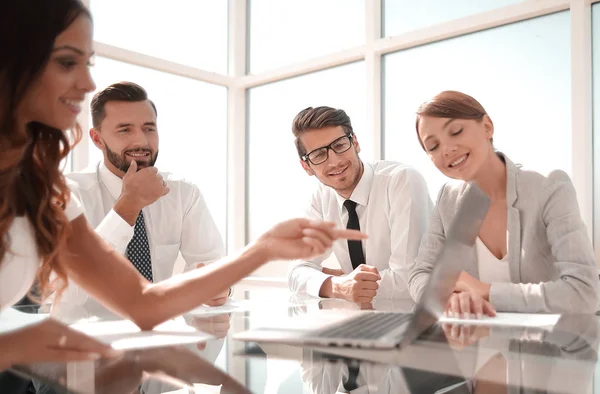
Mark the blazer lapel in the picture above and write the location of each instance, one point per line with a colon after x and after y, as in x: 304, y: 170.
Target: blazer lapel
x: 470, y: 265
x: 513, y: 222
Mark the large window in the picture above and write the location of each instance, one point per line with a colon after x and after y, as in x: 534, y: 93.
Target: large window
x: 190, y: 32
x: 520, y: 73
x: 192, y: 117
x: 283, y: 32
x: 278, y: 187
x: 402, y: 16
x: 522, y: 60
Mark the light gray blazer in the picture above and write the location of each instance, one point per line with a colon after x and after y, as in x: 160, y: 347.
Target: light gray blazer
x: 550, y: 256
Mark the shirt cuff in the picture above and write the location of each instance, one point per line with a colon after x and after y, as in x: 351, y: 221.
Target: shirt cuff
x: 116, y: 231
x: 314, y: 283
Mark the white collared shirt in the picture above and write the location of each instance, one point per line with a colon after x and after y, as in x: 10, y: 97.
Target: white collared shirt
x: 320, y: 376
x: 393, y: 208
x: 177, y: 222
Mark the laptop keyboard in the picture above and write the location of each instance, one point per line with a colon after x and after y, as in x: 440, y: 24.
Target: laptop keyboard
x: 367, y: 326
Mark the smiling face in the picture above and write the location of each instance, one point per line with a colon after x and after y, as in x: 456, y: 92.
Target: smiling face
x: 459, y: 148
x: 56, y: 96
x: 341, y: 171
x: 127, y: 132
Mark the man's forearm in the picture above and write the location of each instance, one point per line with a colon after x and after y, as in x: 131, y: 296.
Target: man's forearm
x: 326, y: 290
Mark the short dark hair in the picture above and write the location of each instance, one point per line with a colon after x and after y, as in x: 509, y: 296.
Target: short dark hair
x: 318, y: 118
x: 120, y: 91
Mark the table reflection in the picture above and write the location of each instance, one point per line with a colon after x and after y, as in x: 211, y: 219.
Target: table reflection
x: 447, y: 358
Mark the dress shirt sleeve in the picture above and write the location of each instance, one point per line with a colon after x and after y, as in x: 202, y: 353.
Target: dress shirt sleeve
x: 201, y: 240
x: 113, y: 228
x: 307, y: 276
x: 410, y: 207
x: 576, y: 286
x: 115, y: 231
x: 431, y: 246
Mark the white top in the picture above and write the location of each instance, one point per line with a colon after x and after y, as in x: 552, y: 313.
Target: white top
x: 178, y: 222
x: 490, y: 268
x: 393, y: 208
x: 21, y: 262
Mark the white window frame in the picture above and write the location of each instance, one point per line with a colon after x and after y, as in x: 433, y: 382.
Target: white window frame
x: 375, y: 46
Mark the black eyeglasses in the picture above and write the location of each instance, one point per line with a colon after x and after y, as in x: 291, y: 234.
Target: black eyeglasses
x: 320, y: 155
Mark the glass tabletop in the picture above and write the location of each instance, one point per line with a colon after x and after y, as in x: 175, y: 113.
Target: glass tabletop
x: 197, y: 353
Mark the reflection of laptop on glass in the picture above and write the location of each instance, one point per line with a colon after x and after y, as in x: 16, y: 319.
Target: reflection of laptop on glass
x: 385, y: 330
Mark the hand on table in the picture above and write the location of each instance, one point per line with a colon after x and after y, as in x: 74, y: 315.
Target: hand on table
x: 465, y: 304
x: 50, y: 341
x: 359, y: 285
x: 469, y: 283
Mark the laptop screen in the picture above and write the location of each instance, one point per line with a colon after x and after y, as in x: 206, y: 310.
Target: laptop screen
x: 458, y: 243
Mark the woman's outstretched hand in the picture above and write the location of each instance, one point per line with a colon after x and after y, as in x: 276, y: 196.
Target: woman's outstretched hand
x: 302, y: 239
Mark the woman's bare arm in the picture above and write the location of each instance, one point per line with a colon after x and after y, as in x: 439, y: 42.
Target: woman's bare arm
x: 111, y: 278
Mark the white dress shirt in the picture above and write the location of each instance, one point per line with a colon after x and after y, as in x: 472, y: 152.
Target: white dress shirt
x: 323, y: 377
x: 393, y: 207
x: 177, y: 222
x: 20, y: 263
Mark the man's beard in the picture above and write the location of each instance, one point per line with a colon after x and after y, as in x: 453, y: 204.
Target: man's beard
x: 354, y: 182
x: 120, y: 161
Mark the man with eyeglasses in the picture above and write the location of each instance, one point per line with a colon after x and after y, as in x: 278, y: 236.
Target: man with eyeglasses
x: 387, y: 200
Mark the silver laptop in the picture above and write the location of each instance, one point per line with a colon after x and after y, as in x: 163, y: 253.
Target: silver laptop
x: 386, y: 330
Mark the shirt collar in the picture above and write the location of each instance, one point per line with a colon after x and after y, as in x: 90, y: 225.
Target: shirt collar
x: 361, y: 192
x: 113, y: 183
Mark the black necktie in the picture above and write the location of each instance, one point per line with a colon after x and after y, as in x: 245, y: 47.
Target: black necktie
x: 357, y: 256
x: 351, y: 384
x: 138, y: 249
